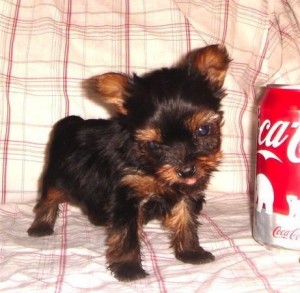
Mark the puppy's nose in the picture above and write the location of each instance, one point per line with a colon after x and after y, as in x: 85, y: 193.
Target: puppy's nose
x: 187, y: 171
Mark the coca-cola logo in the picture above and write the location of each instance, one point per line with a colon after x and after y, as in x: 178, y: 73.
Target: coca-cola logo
x: 274, y: 135
x: 280, y: 232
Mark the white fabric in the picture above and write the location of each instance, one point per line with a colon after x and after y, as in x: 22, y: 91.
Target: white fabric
x: 48, y: 47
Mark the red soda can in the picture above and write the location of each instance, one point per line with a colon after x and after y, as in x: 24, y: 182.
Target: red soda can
x: 277, y: 195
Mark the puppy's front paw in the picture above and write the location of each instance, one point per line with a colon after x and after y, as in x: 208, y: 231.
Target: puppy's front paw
x: 127, y: 272
x: 199, y: 256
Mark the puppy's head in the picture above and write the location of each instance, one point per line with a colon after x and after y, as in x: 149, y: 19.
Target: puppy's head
x: 173, y: 114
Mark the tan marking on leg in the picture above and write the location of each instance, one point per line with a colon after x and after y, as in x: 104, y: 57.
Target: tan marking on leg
x: 46, y: 212
x: 178, y: 222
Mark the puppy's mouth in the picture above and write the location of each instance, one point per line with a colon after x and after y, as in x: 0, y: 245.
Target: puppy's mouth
x: 190, y: 181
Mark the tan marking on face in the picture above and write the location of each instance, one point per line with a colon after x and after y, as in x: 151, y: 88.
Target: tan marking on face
x: 207, y: 163
x: 144, y: 185
x: 201, y: 118
x: 168, y: 174
x: 148, y: 134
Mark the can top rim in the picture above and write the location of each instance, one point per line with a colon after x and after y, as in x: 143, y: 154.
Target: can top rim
x: 285, y: 86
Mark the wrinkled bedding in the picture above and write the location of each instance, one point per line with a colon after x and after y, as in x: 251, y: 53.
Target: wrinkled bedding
x: 48, y: 47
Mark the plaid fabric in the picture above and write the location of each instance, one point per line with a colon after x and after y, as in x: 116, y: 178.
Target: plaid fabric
x: 48, y: 47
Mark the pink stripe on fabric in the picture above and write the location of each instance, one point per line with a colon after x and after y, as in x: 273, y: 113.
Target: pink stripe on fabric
x: 236, y: 248
x: 63, y: 254
x: 66, y: 59
x: 127, y: 37
x: 242, y: 137
x: 8, y: 115
x: 25, y: 143
x: 226, y: 16
x: 188, y: 34
x: 249, y: 188
x: 156, y: 269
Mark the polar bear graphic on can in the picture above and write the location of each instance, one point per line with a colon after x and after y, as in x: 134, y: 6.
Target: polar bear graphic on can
x: 265, y: 194
x: 294, y: 205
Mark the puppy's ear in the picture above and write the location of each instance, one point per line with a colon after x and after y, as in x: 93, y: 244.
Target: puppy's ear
x: 111, y: 87
x: 211, y: 61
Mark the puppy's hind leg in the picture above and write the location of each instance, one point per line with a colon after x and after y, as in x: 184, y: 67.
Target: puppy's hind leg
x: 46, y: 212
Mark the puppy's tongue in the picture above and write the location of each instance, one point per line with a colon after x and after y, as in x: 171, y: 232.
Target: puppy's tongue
x: 190, y: 181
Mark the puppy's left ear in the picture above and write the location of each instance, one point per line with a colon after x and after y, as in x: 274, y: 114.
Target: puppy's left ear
x: 111, y: 89
x: 211, y: 61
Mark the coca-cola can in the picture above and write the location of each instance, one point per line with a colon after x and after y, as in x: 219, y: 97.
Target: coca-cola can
x: 277, y: 194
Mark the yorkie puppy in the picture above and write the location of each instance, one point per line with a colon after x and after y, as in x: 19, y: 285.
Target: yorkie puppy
x: 152, y: 160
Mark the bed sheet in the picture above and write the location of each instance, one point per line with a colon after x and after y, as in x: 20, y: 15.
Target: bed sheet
x: 73, y: 259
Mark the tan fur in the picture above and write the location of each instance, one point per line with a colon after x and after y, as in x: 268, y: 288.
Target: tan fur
x: 178, y: 222
x: 115, y: 242
x: 168, y: 174
x: 112, y: 87
x: 212, y: 61
x: 200, y: 118
x: 55, y: 196
x: 47, y: 210
x: 148, y: 134
x: 210, y: 161
x: 144, y: 185
x: 205, y: 164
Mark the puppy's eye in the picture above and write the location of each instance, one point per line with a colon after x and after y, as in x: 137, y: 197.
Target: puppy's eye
x: 203, y: 130
x: 153, y: 145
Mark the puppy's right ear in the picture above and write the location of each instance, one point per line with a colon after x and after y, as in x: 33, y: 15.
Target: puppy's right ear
x: 111, y: 88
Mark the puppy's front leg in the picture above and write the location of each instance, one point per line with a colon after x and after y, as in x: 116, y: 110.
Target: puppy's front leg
x: 123, y: 253
x: 183, y: 223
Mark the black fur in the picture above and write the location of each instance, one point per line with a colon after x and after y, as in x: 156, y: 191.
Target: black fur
x: 126, y: 178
